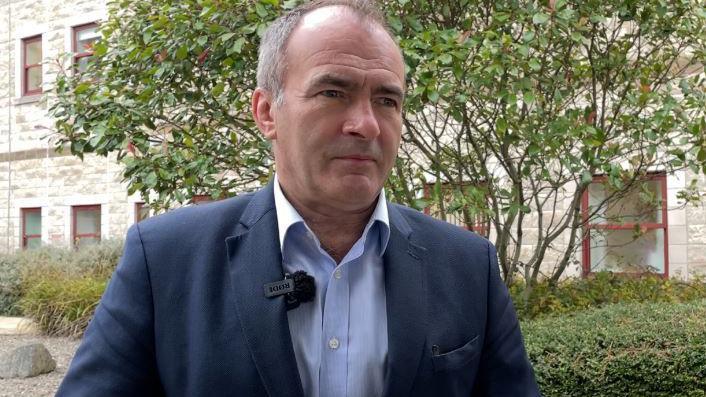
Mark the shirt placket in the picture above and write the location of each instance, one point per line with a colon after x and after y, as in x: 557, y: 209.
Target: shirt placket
x: 334, y: 367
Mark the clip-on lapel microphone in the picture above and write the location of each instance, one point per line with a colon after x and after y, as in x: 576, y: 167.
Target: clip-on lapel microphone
x: 296, y: 288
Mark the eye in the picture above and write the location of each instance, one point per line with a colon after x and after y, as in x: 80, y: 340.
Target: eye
x: 331, y: 93
x: 388, y: 102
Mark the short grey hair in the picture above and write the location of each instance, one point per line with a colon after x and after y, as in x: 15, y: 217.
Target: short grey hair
x: 272, y: 63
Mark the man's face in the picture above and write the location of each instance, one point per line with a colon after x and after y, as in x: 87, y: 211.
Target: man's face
x: 336, y: 134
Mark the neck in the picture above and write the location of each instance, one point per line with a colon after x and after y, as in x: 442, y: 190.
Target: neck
x: 336, y: 230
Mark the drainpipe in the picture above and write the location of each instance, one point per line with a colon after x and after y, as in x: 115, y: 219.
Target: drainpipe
x: 9, y: 118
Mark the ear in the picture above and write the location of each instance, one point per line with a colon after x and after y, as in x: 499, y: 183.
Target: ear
x: 262, y: 106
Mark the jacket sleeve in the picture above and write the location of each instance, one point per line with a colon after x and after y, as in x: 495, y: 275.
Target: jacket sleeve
x: 505, y: 369
x: 117, y: 354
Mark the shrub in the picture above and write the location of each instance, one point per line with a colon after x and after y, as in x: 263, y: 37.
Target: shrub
x: 600, y: 289
x: 60, y: 304
x: 656, y: 349
x: 61, y: 287
x: 10, y: 285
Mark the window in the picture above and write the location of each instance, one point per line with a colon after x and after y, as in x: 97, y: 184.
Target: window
x: 630, y: 234
x: 31, y: 227
x: 142, y: 212
x: 453, y: 209
x: 32, y: 65
x: 86, y: 227
x: 84, y: 37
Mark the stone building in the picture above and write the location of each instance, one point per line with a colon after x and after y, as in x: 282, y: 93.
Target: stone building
x: 48, y: 197
x: 55, y: 198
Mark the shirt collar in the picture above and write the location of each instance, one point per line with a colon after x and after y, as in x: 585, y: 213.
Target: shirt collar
x: 288, y: 216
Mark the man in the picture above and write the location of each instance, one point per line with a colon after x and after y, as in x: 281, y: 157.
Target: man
x: 404, y: 304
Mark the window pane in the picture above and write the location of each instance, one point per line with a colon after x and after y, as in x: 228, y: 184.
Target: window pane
x: 85, y: 241
x: 641, y: 205
x: 33, y: 52
x: 620, y: 251
x: 34, y: 78
x: 81, y: 63
x: 32, y: 223
x: 85, y: 39
x: 34, y: 242
x: 88, y: 221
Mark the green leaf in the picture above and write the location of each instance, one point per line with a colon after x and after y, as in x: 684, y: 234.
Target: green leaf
x: 202, y: 40
x: 446, y: 59
x: 182, y: 52
x: 586, y: 178
x: 218, y: 89
x: 260, y: 9
x: 540, y: 18
x: 535, y: 65
x: 238, y: 45
x: 81, y: 88
x: 533, y: 149
x: 433, y: 96
x: 227, y: 37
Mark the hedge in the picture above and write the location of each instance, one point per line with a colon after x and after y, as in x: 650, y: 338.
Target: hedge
x: 656, y: 349
x: 604, y: 288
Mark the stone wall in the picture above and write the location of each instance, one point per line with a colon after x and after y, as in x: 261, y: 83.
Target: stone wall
x: 31, y: 173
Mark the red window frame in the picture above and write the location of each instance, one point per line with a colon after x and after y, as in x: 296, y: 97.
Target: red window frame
x: 26, y: 67
x: 480, y: 224
x: 74, y: 47
x: 664, y: 225
x: 23, y: 216
x: 138, y: 212
x: 74, y: 215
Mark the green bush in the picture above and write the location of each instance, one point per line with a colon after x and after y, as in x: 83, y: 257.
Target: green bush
x: 10, y: 285
x: 656, y: 349
x: 60, y: 304
x: 57, y: 287
x: 601, y: 289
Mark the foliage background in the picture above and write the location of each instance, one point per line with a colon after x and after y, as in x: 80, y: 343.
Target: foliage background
x: 512, y: 107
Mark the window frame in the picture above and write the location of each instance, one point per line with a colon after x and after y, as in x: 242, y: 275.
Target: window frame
x: 74, y: 42
x: 25, y: 67
x: 138, y: 208
x: 24, y: 237
x: 661, y: 177
x: 480, y: 226
x: 75, y: 209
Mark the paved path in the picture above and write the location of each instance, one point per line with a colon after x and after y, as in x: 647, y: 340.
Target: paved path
x: 17, y: 326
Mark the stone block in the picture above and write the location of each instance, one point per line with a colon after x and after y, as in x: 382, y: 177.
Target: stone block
x: 677, y: 234
x: 677, y: 217
x: 27, y: 361
x: 696, y: 234
x: 696, y: 214
x: 677, y: 254
x: 696, y: 253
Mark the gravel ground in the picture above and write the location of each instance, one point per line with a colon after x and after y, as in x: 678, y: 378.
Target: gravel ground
x: 61, y: 349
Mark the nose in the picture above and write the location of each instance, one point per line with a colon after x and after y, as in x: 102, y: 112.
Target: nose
x: 361, y: 121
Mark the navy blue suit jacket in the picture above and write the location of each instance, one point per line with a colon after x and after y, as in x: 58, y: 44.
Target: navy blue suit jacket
x: 185, y: 312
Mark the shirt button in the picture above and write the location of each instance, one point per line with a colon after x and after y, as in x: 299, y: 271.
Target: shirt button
x: 333, y: 343
x: 338, y: 274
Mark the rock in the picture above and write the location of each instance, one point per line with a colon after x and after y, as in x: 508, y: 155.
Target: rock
x: 27, y: 361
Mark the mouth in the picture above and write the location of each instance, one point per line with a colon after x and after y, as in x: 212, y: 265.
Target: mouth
x: 356, y: 157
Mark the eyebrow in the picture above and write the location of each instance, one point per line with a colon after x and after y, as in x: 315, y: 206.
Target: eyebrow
x: 336, y: 80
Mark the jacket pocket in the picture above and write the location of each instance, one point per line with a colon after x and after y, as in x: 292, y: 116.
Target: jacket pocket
x: 456, y: 358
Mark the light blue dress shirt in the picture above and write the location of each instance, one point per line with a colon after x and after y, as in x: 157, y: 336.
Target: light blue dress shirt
x: 340, y: 338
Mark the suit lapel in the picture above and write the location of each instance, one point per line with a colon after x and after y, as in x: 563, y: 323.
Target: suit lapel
x: 255, y: 259
x: 406, y: 306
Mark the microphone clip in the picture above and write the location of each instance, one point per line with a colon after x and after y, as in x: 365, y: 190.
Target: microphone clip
x: 296, y: 288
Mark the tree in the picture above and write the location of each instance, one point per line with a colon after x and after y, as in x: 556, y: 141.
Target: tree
x: 512, y: 106
x: 168, y: 90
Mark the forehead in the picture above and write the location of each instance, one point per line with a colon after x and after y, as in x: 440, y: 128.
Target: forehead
x: 336, y: 38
